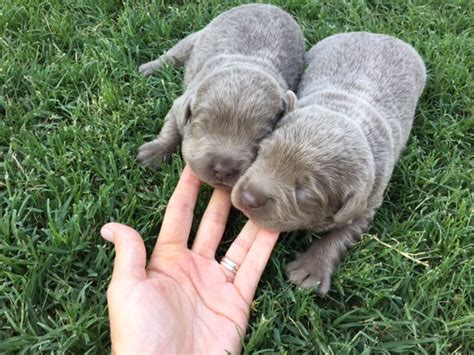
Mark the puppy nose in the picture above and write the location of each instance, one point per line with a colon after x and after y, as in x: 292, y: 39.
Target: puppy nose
x: 223, y: 169
x: 253, y: 199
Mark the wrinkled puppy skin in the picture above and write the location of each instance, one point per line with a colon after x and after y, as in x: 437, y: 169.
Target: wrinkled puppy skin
x: 239, y: 73
x: 327, y: 163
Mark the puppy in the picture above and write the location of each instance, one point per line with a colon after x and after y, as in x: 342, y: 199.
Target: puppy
x: 239, y: 73
x: 326, y: 165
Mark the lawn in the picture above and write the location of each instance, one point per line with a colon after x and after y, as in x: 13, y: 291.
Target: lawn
x: 74, y: 109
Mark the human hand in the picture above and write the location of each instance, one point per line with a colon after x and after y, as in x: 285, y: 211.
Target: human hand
x: 184, y: 301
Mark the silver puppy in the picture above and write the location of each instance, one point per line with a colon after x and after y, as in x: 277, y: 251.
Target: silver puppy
x: 239, y: 70
x: 327, y: 164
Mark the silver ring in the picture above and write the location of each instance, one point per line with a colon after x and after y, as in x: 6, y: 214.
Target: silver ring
x: 229, y: 265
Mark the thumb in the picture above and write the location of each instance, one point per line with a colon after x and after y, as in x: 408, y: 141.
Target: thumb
x: 130, y: 254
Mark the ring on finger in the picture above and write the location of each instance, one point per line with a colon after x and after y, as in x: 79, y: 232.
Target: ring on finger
x: 229, y: 265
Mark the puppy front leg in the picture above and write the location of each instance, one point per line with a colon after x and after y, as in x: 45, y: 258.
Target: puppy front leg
x: 313, y: 269
x: 178, y: 55
x: 162, y: 147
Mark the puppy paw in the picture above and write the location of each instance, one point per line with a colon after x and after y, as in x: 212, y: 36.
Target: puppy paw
x: 146, y: 69
x: 311, y: 272
x: 153, y: 153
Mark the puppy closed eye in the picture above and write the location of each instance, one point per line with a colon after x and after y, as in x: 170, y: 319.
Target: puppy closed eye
x: 305, y: 194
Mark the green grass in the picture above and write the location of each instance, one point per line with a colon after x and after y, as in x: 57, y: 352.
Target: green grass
x: 73, y: 111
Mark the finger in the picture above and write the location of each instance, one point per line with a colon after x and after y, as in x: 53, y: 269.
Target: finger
x: 249, y: 273
x: 212, y: 224
x: 240, y: 247
x: 179, y: 212
x: 130, y: 254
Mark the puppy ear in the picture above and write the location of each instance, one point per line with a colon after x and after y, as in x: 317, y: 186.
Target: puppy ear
x: 181, y: 110
x: 290, y: 102
x: 353, y: 207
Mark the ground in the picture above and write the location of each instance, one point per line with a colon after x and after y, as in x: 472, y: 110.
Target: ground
x: 74, y: 109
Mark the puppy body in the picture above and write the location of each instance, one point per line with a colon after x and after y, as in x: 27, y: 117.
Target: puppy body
x: 238, y: 72
x: 327, y: 164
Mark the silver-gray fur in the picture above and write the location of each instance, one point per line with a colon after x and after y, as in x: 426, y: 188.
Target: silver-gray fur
x: 327, y: 164
x: 239, y: 73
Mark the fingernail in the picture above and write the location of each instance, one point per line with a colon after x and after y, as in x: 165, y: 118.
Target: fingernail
x: 107, y: 234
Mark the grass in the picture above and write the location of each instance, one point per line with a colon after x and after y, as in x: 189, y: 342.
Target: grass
x: 73, y: 110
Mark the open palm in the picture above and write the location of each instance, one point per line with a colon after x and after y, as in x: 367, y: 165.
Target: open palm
x: 184, y: 301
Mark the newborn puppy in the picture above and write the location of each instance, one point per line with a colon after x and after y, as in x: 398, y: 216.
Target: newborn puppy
x: 239, y: 72
x: 326, y: 165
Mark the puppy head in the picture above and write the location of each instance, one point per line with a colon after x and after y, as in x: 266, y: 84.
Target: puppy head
x: 225, y: 120
x: 315, y: 171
